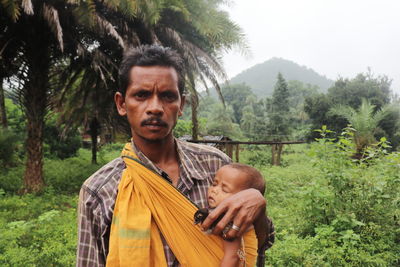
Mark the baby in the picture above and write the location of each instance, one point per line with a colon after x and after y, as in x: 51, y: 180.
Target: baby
x: 229, y: 180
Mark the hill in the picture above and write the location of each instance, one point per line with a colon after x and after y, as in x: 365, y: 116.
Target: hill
x: 262, y: 77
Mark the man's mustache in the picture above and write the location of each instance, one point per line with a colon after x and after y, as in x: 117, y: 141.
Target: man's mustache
x: 154, y: 120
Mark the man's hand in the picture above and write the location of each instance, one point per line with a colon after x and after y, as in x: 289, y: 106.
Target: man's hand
x: 241, y: 208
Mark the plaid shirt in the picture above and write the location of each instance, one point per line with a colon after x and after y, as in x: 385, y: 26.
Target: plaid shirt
x: 198, y: 165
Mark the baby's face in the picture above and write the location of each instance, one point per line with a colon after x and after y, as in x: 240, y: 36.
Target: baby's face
x: 227, y: 182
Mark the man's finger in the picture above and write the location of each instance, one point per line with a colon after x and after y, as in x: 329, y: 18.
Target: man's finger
x: 213, y: 216
x: 238, y: 228
x: 228, y: 217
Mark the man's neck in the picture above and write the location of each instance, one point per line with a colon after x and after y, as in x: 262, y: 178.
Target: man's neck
x: 159, y: 151
x: 163, y: 154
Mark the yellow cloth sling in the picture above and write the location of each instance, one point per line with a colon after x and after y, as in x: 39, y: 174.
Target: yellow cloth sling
x: 147, y: 205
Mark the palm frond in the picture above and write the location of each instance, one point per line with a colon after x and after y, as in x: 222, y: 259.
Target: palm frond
x: 27, y: 7
x: 12, y: 8
x: 107, y: 28
x: 50, y: 14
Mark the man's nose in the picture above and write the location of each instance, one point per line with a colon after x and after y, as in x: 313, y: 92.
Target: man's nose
x: 155, y: 106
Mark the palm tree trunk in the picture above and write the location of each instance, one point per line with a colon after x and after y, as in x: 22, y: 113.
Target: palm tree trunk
x: 195, y: 122
x: 35, y: 111
x: 35, y: 103
x: 3, y: 114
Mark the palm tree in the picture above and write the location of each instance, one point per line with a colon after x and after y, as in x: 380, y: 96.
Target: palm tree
x: 44, y: 34
x: 188, y: 27
x: 72, y: 36
x: 365, y: 121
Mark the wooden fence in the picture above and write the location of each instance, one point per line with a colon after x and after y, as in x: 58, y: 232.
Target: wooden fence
x: 230, y: 146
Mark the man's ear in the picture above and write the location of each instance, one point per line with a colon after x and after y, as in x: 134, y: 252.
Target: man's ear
x: 183, y: 100
x: 119, y: 100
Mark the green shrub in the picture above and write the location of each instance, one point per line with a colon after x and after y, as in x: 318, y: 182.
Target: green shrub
x: 68, y: 175
x: 11, y: 179
x: 332, y: 210
x: 60, y: 148
x: 9, y: 142
x: 109, y: 152
x: 38, y: 231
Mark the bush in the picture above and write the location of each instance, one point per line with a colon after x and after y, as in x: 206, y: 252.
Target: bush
x: 9, y: 142
x: 11, y: 179
x: 38, y: 231
x: 68, y: 175
x: 60, y: 148
x: 342, y: 212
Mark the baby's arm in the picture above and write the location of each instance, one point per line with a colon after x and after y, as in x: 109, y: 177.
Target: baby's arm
x: 231, y: 256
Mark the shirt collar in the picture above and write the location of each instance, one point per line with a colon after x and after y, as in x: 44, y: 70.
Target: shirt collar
x: 145, y: 160
x: 187, y: 167
x: 187, y: 160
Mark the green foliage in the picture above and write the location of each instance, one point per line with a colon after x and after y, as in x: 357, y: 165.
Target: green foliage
x: 67, y: 176
x: 62, y: 176
x: 11, y: 179
x: 182, y: 128
x: 351, y: 92
x: 328, y: 209
x: 8, y: 146
x: 235, y: 95
x: 365, y: 121
x: 278, y: 110
x: 220, y: 123
x: 60, y: 147
x: 15, y: 118
x: 332, y: 210
x: 255, y: 156
x: 38, y: 231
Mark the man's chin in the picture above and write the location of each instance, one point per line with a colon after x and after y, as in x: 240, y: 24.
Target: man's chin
x: 154, y: 138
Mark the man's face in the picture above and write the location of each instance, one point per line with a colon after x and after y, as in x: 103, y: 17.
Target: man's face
x: 227, y: 182
x: 152, y: 102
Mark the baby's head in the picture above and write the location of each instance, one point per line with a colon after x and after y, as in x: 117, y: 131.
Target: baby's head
x: 231, y: 179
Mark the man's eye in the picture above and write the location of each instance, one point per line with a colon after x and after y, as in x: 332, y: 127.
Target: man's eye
x: 169, y: 96
x: 142, y: 94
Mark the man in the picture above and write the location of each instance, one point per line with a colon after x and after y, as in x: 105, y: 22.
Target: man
x: 151, y: 97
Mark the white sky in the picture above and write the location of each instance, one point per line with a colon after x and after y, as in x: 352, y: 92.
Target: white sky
x: 333, y: 37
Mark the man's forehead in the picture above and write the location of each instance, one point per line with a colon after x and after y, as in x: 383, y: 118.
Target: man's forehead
x: 153, y: 70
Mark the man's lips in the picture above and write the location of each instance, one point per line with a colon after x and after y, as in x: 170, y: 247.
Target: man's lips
x: 154, y: 123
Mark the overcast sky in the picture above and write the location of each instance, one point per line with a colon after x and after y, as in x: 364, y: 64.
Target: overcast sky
x: 333, y: 37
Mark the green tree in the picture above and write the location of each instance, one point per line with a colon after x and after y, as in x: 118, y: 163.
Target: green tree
x: 44, y: 34
x: 350, y: 92
x: 248, y: 121
x: 365, y: 121
x: 278, y: 110
x: 74, y: 36
x: 235, y: 95
x: 220, y: 122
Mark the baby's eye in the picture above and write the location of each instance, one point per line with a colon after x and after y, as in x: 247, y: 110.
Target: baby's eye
x: 214, y: 183
x: 225, y: 189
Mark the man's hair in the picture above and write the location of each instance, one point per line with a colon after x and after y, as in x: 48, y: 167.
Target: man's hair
x: 254, y: 179
x: 150, y: 55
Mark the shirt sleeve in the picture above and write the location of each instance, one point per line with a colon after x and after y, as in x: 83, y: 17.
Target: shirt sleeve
x: 90, y: 251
